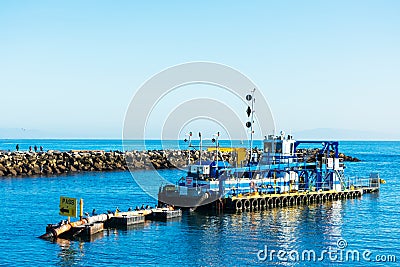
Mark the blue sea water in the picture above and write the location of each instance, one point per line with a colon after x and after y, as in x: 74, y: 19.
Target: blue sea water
x: 369, y: 224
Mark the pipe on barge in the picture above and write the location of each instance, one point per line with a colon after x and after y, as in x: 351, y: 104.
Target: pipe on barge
x: 54, y: 232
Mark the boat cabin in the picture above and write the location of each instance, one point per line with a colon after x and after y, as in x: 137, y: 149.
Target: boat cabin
x: 207, y: 169
x: 278, y: 149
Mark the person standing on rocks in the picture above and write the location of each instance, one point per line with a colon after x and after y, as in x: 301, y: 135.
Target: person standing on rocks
x: 30, y: 148
x: 41, y: 149
x: 17, y: 147
x: 35, y: 148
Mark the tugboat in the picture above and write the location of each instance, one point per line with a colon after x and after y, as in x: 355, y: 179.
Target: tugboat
x: 282, y: 174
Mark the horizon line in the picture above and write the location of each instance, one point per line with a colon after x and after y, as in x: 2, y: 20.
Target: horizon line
x: 154, y: 139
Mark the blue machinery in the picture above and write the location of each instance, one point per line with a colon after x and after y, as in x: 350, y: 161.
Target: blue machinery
x: 325, y: 174
x: 282, y: 173
x: 283, y: 168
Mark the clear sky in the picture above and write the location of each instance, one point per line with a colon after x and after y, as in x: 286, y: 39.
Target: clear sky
x: 70, y: 69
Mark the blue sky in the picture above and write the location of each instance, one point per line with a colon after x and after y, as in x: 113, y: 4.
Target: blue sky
x: 70, y: 69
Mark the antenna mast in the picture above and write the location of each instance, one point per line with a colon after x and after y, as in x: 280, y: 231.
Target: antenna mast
x: 216, y: 150
x: 249, y: 124
x: 189, y: 146
x: 201, y: 147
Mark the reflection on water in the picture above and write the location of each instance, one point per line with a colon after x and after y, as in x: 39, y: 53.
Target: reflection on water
x: 71, y: 252
x: 284, y: 228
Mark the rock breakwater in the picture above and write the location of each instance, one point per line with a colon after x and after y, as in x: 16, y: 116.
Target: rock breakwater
x: 56, y: 162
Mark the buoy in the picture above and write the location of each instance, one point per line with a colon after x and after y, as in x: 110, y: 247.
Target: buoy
x: 254, y: 204
x: 246, y: 204
x: 270, y: 203
x: 284, y: 202
x: 263, y: 203
x: 292, y: 201
x: 277, y: 202
x: 239, y: 205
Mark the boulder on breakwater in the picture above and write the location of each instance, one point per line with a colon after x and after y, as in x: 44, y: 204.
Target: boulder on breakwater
x: 56, y: 162
x: 311, y: 155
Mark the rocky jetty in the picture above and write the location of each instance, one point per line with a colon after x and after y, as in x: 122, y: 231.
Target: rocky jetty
x: 311, y: 154
x: 56, y: 162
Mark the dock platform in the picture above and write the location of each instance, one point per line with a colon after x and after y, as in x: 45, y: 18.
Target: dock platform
x: 88, y: 230
x: 125, y: 220
x: 256, y: 201
x: 165, y: 214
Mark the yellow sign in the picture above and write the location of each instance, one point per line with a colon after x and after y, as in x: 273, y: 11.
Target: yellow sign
x: 68, y: 206
x: 240, y: 151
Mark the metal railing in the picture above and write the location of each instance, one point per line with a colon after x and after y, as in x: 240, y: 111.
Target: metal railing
x: 362, y: 182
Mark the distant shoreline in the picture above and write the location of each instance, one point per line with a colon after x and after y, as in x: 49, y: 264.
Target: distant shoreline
x: 154, y: 139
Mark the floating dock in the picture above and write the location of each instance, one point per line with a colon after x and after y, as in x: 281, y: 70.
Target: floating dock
x: 256, y: 202
x: 88, y: 230
x: 165, y: 214
x: 90, y: 226
x: 125, y: 221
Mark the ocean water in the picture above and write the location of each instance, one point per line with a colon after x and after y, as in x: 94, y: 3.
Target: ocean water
x: 369, y: 225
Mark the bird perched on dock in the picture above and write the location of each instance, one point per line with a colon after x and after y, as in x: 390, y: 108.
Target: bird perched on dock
x: 116, y: 211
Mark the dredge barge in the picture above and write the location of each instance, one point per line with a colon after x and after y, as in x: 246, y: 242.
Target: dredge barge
x: 281, y: 176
